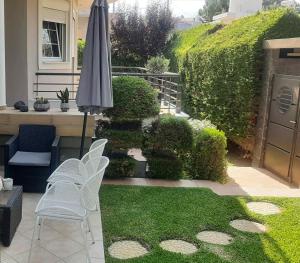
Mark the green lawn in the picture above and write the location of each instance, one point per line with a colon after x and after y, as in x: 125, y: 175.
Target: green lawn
x: 150, y: 214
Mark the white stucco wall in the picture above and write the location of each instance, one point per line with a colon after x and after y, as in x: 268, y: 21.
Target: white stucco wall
x: 16, y: 51
x: 241, y: 8
x: 2, y: 57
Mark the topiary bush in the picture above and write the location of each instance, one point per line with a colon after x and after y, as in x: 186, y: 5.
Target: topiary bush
x: 207, y: 160
x: 120, y: 166
x: 121, y: 140
x: 134, y: 98
x: 165, y: 167
x: 170, y: 133
x: 222, y: 69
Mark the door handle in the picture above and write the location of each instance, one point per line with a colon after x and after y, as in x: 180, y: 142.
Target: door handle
x: 293, y: 122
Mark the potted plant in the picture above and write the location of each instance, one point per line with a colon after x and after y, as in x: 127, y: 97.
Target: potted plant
x: 64, y: 98
x: 41, y: 104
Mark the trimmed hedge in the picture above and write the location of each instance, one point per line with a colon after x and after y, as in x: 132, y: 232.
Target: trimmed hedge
x: 170, y: 133
x: 182, y: 41
x: 134, y: 98
x: 207, y: 160
x: 222, y: 68
x: 119, y: 140
x: 165, y: 167
x: 120, y: 166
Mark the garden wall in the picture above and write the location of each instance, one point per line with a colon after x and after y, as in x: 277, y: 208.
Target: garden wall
x: 222, y: 69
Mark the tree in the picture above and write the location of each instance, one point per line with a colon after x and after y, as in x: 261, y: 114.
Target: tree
x: 213, y: 7
x: 135, y: 37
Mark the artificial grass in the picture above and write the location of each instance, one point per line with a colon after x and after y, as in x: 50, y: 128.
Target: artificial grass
x: 151, y: 214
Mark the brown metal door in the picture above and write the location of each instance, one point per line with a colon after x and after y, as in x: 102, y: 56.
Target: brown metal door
x: 296, y: 160
x: 282, y: 127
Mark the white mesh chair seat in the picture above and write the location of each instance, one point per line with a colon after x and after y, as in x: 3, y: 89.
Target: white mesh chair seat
x: 76, y: 178
x: 68, y: 201
x: 62, y: 200
x: 78, y: 171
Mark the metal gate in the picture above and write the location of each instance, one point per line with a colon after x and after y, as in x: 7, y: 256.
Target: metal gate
x: 282, y: 152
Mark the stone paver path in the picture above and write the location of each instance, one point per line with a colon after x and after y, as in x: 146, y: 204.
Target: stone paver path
x: 263, y: 208
x: 248, y: 226
x: 178, y: 246
x: 214, y: 237
x: 127, y: 250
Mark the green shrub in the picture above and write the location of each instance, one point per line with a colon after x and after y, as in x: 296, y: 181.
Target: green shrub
x: 158, y: 65
x: 134, y: 98
x: 207, y: 160
x: 165, y: 167
x: 222, y: 70
x: 173, y: 134
x: 120, y: 166
x: 80, y: 48
x: 121, y: 139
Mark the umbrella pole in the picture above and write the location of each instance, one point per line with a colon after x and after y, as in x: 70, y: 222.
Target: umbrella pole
x: 83, y: 135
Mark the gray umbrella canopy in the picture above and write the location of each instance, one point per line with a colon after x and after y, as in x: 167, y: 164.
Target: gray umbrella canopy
x: 95, y: 90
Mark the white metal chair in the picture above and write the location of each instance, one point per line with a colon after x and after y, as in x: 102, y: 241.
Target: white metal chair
x: 67, y: 201
x: 78, y: 171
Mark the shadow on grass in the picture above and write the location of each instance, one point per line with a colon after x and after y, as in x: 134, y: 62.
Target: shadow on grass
x: 151, y: 215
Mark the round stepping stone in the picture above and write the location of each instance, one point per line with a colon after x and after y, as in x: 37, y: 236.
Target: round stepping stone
x: 214, y: 237
x: 178, y: 246
x: 127, y: 250
x: 263, y: 208
x: 248, y: 226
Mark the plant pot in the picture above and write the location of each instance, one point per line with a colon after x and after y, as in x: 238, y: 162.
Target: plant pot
x: 41, y: 107
x: 64, y: 107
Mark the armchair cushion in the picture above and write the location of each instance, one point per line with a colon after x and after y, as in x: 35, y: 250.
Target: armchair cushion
x: 41, y: 159
x: 36, y: 138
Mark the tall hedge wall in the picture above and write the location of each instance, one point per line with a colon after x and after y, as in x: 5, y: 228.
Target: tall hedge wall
x: 182, y: 41
x: 222, y: 71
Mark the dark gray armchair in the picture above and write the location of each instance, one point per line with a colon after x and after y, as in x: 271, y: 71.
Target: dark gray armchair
x: 31, y: 156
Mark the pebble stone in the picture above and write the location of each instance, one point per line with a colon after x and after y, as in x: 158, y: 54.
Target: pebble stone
x: 127, y: 250
x: 179, y: 246
x: 248, y: 226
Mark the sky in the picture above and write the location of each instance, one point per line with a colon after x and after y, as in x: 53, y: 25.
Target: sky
x: 187, y: 8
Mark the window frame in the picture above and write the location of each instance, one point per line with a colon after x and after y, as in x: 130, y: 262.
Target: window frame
x: 61, y: 7
x: 61, y: 42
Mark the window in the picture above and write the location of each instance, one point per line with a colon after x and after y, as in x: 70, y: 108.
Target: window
x: 54, y: 41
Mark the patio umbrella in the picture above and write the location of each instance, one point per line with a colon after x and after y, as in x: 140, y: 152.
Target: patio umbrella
x: 95, y: 90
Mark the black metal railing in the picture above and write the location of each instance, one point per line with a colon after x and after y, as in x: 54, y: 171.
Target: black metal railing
x: 167, y: 84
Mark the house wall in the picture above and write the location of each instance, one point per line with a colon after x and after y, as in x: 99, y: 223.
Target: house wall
x: 240, y: 8
x: 82, y: 27
x: 34, y: 61
x: 2, y: 57
x: 16, y: 51
x: 23, y: 33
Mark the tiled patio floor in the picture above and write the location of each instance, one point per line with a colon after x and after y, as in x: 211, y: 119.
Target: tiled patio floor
x: 61, y: 241
x: 243, y: 181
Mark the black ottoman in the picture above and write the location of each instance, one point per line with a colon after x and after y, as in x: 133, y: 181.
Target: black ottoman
x: 10, y: 213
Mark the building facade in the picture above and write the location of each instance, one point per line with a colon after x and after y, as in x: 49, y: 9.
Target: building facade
x: 38, y: 37
x: 238, y: 9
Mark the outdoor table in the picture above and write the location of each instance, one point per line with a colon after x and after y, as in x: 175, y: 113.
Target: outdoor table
x: 10, y: 213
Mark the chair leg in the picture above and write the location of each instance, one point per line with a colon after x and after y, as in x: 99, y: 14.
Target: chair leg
x: 84, y: 234
x: 32, y: 239
x: 41, y: 221
x: 90, y: 230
